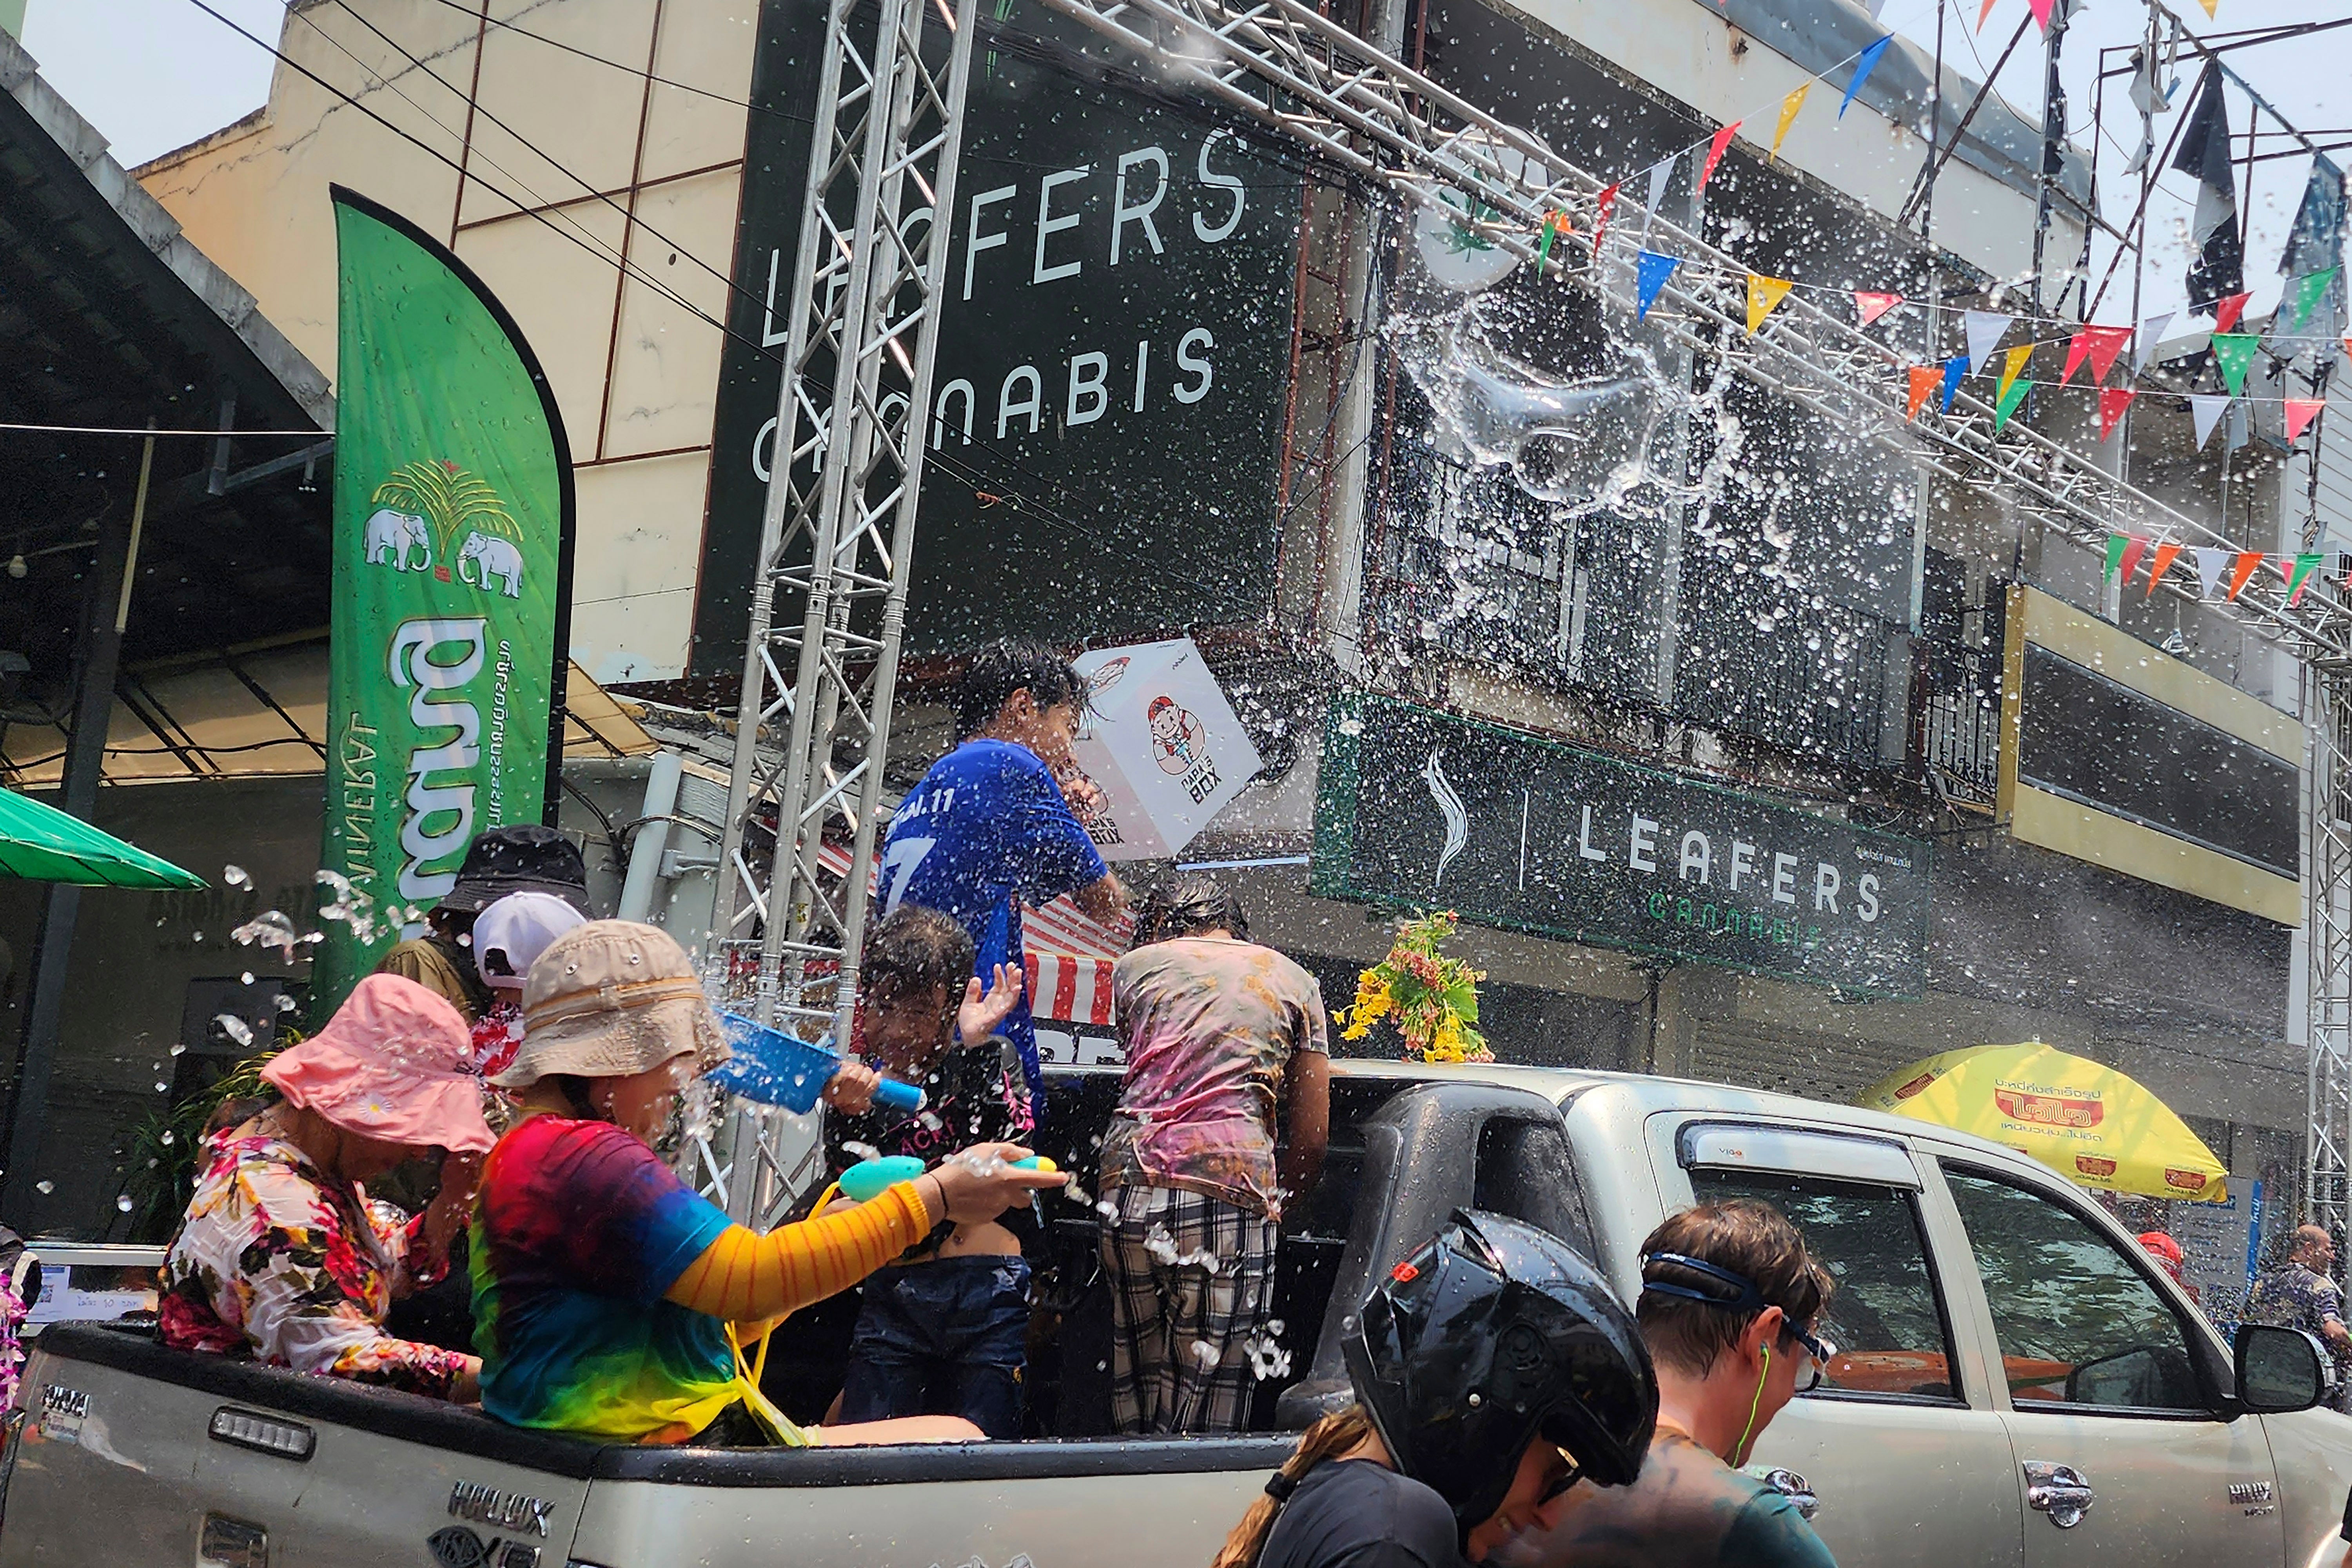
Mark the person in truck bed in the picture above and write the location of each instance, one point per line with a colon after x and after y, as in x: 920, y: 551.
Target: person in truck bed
x: 609, y: 1297
x: 281, y: 1256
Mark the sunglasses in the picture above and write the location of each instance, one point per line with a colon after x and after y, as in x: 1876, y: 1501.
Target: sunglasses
x: 1820, y: 1353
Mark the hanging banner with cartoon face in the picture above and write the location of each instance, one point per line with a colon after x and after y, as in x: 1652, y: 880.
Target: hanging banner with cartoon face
x: 1163, y: 744
x: 452, y: 583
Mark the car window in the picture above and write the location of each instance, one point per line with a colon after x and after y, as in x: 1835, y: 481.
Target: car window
x: 1884, y: 1317
x: 2078, y: 1322
x: 1524, y: 1170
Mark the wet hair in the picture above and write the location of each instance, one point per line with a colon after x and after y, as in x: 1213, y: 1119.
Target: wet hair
x: 912, y: 951
x: 1745, y: 1237
x: 1007, y: 665
x: 1327, y: 1440
x: 1184, y: 904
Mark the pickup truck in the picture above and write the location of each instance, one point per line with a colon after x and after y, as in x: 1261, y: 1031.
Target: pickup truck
x: 2015, y: 1386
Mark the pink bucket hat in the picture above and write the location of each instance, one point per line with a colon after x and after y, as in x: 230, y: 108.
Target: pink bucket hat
x: 390, y: 1064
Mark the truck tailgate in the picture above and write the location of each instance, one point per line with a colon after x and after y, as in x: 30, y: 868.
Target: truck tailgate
x: 135, y: 1455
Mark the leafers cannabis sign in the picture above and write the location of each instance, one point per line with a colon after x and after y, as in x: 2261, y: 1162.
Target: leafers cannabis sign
x: 1420, y: 809
x: 452, y: 577
x: 1113, y: 346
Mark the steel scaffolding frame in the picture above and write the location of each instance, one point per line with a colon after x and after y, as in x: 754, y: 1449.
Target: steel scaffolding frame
x: 864, y: 297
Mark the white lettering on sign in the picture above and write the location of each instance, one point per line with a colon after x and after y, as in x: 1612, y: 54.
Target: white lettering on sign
x: 979, y: 239
x: 1695, y: 852
x: 1123, y: 213
x: 1095, y: 386
x: 1826, y: 887
x: 419, y: 663
x: 1784, y: 879
x: 1584, y: 849
x: 1643, y: 844
x: 1865, y: 898
x: 1233, y: 220
x: 1048, y: 225
x: 1743, y: 862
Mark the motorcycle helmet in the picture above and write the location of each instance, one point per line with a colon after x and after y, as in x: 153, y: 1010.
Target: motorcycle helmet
x: 1492, y: 1335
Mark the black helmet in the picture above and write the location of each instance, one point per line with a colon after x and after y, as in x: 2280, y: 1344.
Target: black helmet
x: 1493, y: 1333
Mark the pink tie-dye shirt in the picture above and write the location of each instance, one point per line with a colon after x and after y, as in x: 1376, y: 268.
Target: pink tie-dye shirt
x: 1209, y: 1024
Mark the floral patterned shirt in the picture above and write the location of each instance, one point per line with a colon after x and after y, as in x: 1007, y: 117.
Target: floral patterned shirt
x: 279, y: 1262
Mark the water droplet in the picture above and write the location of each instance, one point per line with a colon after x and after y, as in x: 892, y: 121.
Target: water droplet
x: 123, y: 1203
x: 246, y: 978
x: 45, y: 1187
x: 170, y: 1136
x: 235, y: 1028
x: 179, y: 1048
x: 235, y: 875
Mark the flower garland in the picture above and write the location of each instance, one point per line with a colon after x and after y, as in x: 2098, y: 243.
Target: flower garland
x: 1432, y: 998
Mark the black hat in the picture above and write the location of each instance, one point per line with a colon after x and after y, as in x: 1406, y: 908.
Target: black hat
x: 522, y: 858
x: 1492, y: 1335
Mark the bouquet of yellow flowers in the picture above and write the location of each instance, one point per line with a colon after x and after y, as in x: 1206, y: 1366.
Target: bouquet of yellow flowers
x: 1434, y: 998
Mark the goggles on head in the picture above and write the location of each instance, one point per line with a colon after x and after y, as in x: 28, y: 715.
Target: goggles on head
x: 1750, y: 1301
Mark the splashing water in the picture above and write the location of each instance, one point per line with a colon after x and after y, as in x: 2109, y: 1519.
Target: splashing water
x: 269, y: 929
x: 235, y: 1028
x: 123, y: 1203
x: 235, y: 877
x: 1206, y: 1354
x: 45, y: 1187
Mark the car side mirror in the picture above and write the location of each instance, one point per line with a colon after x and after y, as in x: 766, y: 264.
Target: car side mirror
x: 2281, y: 1369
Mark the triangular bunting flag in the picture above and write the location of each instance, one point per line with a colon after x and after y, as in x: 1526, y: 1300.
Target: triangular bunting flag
x: 1865, y: 63
x: 2165, y: 555
x: 1789, y: 107
x: 2116, y: 543
x: 2300, y: 413
x: 1870, y: 305
x: 1954, y: 369
x: 1650, y: 270
x: 2248, y: 560
x: 2234, y: 352
x: 1985, y: 13
x: 1660, y: 173
x: 2014, y: 366
x: 2113, y: 401
x: 1557, y: 224
x: 2210, y: 563
x: 1602, y: 205
x: 2151, y: 332
x: 2078, y: 345
x: 2206, y: 409
x: 2041, y: 15
x: 1764, y: 293
x: 1984, y: 328
x: 2308, y: 291
x: 2227, y: 308
x: 2299, y: 577
x: 2134, y: 548
x: 2212, y: 9
x: 2107, y: 342
x: 1714, y: 156
x: 2012, y: 393
x: 1923, y: 382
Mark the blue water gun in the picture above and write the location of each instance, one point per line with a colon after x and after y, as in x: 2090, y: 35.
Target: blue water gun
x: 774, y: 1068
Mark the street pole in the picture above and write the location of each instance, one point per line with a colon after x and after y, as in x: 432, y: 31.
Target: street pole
x: 2054, y: 142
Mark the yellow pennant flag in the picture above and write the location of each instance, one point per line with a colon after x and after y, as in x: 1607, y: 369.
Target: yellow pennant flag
x: 1764, y: 293
x: 1789, y: 107
x: 2014, y: 366
x: 2211, y: 6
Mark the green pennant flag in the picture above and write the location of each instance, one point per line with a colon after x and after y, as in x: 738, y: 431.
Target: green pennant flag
x: 2234, y: 352
x: 2304, y: 567
x: 451, y: 584
x: 2117, y: 545
x: 2009, y: 398
x: 2308, y: 291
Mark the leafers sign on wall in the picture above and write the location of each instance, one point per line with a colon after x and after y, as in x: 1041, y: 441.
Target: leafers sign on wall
x: 1422, y: 810
x: 1113, y: 346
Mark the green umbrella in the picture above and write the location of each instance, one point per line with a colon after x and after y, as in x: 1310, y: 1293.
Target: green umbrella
x: 41, y: 843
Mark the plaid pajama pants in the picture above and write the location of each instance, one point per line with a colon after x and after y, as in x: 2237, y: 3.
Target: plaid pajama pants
x: 1192, y: 1283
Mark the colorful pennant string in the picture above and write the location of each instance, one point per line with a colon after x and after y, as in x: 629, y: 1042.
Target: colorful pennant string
x: 1869, y: 305
x: 2299, y: 577
x: 2100, y: 345
x: 2227, y: 308
x: 2014, y: 366
x: 2308, y: 292
x: 2241, y: 574
x: 2207, y: 409
x: 2300, y: 413
x: 2041, y: 12
x: 2012, y: 393
x: 1923, y: 382
x: 1865, y: 63
x: 2116, y: 543
x: 2113, y: 401
x: 1602, y: 205
x: 1660, y: 173
x: 2165, y: 555
x: 2235, y: 352
x: 1763, y: 295
x: 1650, y: 270
x: 1714, y: 156
x: 2127, y: 550
x: 2134, y: 548
x: 1954, y: 369
x: 2151, y: 333
x: 2209, y: 566
x: 1984, y: 330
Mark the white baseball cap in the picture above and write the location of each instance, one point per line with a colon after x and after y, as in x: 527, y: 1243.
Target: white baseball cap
x: 512, y: 931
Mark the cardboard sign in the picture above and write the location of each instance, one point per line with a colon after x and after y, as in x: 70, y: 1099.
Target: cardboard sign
x: 1162, y: 743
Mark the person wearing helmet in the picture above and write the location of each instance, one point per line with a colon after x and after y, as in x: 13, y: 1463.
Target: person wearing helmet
x: 1493, y: 1371
x: 1730, y: 1303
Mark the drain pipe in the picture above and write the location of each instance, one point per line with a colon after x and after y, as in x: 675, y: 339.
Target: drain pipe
x: 652, y: 840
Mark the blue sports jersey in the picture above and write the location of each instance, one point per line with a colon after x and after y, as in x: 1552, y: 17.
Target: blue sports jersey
x: 986, y: 829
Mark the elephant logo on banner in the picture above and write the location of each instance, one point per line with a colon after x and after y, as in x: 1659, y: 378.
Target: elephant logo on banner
x: 424, y: 506
x: 490, y: 559
x: 390, y: 537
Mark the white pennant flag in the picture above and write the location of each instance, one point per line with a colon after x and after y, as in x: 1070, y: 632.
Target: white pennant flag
x: 2151, y: 332
x: 1660, y: 173
x: 2241, y: 428
x: 2207, y: 409
x: 1984, y: 328
x: 2211, y: 565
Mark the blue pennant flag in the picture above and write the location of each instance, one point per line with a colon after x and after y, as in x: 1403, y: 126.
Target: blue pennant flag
x: 1954, y: 369
x: 1650, y: 270
x: 1866, y: 63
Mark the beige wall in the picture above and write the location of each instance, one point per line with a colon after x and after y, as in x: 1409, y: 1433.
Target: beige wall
x: 647, y: 167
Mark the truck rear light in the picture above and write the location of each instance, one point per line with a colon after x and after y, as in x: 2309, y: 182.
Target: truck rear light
x: 262, y: 1434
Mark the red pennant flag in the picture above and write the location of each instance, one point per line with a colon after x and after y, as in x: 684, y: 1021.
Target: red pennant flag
x: 2300, y: 413
x: 1603, y: 204
x: 2100, y: 345
x: 2113, y: 401
x: 2247, y: 561
x: 2041, y: 11
x: 2164, y: 556
x: 2134, y: 548
x: 1984, y: 15
x: 1923, y: 382
x: 2226, y: 310
x: 1870, y: 305
x: 1714, y: 156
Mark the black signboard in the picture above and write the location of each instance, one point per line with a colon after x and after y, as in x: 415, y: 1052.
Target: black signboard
x: 1114, y: 347
x: 1421, y: 810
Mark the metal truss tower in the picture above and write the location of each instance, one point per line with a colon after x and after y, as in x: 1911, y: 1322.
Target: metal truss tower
x: 840, y: 519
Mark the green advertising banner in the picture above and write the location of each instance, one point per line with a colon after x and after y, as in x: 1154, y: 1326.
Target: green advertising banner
x: 452, y: 585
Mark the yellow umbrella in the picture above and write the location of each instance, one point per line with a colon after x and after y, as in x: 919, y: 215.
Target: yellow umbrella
x: 2089, y: 1123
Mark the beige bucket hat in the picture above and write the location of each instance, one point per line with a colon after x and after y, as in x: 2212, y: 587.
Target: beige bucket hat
x: 611, y: 999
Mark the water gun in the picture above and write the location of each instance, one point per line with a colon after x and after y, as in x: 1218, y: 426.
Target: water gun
x: 867, y: 1179
x: 774, y: 1068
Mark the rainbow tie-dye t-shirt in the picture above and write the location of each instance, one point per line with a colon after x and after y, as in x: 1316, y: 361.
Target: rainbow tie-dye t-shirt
x: 580, y: 1229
